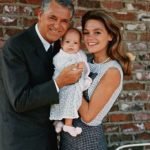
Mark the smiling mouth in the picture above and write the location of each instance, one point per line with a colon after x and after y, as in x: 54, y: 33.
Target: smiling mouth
x: 55, y: 31
x: 91, y: 44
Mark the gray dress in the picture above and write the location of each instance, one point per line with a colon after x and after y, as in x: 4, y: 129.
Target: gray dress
x: 92, y: 136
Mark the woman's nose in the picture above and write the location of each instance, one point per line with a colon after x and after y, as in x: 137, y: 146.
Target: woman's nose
x: 89, y: 37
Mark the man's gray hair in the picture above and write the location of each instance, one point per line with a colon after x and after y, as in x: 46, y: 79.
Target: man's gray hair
x: 65, y: 3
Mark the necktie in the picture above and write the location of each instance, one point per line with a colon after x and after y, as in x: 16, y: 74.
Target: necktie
x: 50, y: 52
x: 50, y: 60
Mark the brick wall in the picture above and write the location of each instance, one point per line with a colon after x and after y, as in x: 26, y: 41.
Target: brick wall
x: 129, y: 119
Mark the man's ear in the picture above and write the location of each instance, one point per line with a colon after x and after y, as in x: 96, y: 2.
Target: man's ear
x: 40, y: 12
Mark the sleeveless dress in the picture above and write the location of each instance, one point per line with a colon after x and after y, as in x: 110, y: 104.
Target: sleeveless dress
x: 70, y: 97
x: 92, y: 136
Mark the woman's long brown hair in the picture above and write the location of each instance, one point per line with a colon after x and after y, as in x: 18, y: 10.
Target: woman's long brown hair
x: 115, y: 50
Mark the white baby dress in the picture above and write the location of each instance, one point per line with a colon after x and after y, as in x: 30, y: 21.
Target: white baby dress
x: 70, y: 97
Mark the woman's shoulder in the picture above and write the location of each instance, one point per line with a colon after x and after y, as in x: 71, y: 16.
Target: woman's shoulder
x: 113, y: 65
x: 101, y: 69
x: 113, y: 74
x: 112, y: 70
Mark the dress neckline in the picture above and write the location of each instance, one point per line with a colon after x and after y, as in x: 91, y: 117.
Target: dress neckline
x: 103, y: 62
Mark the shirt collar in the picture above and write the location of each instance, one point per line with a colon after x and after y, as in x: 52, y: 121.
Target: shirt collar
x: 44, y: 42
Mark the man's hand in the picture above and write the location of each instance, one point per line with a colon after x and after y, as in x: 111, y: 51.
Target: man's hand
x: 70, y: 74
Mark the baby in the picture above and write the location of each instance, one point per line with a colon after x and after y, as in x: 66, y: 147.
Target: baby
x: 70, y: 97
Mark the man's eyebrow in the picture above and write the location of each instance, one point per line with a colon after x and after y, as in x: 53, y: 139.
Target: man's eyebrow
x: 52, y: 15
x: 63, y: 19
x: 66, y: 19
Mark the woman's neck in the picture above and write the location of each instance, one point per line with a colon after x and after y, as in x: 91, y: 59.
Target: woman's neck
x: 101, y: 60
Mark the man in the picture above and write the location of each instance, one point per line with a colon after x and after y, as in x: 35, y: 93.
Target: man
x: 29, y: 89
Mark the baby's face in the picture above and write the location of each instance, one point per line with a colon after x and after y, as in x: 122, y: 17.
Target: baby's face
x: 71, y: 42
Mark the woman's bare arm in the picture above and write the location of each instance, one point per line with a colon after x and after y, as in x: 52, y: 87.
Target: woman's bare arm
x: 104, y: 90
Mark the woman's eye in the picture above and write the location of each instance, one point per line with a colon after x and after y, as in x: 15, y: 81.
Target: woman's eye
x: 97, y: 33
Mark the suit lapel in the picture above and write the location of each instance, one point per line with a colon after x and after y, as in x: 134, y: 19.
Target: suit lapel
x: 40, y: 50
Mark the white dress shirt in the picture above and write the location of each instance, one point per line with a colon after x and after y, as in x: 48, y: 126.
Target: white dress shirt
x: 46, y: 46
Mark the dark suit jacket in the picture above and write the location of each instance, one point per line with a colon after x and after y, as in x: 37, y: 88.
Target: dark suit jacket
x: 27, y: 94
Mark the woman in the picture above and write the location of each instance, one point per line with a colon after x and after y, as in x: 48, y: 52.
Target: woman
x: 102, y: 38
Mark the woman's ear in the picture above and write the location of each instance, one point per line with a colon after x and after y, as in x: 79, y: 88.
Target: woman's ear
x: 110, y: 37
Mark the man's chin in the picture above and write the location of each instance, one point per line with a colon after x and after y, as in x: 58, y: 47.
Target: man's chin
x: 53, y: 39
